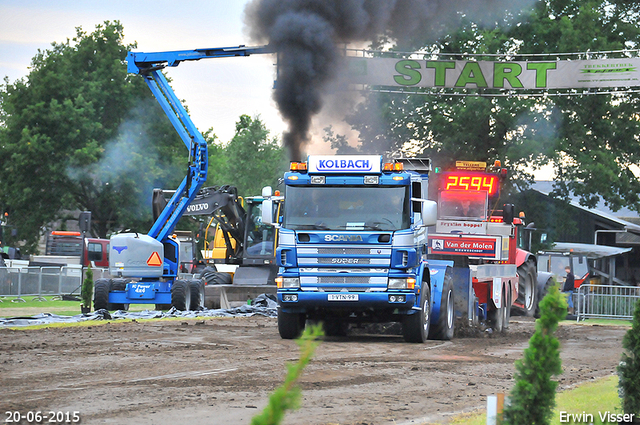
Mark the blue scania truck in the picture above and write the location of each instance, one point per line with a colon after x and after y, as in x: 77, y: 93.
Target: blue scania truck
x: 352, y: 247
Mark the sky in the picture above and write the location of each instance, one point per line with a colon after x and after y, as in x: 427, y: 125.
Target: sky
x: 216, y: 91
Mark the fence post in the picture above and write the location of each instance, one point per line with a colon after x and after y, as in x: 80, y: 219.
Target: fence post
x: 39, y: 297
x: 19, y: 298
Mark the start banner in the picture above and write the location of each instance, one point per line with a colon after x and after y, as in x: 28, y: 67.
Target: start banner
x: 506, y: 75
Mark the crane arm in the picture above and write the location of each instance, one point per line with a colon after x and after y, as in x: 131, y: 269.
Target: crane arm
x: 150, y: 66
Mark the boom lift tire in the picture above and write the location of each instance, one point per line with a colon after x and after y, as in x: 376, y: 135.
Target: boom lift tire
x: 181, y: 295
x: 101, y: 294
x: 527, y: 289
x: 119, y: 285
x: 196, y: 291
x: 415, y: 327
x: 444, y: 329
x: 290, y: 325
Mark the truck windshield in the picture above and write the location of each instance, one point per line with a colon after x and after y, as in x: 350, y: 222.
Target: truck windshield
x: 347, y: 208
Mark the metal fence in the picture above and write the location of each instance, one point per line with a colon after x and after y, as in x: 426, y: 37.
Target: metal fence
x: 606, y: 301
x: 38, y: 282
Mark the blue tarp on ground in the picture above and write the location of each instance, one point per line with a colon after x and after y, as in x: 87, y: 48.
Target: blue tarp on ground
x: 264, y: 307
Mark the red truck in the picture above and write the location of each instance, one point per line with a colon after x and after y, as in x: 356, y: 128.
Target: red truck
x: 485, y: 241
x: 67, y: 247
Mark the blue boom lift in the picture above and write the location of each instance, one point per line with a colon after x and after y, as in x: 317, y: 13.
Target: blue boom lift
x: 147, y: 266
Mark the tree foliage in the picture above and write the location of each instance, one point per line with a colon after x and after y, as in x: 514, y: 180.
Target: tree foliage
x: 80, y: 133
x: 250, y: 161
x: 533, y: 396
x: 593, y: 141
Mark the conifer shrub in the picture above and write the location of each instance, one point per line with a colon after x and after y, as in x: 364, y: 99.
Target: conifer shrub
x: 532, y: 399
x: 629, y: 368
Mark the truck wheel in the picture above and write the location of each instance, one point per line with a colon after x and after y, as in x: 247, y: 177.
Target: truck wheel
x: 101, y: 294
x: 527, y: 289
x: 119, y: 285
x: 290, y: 325
x: 196, y: 291
x: 415, y: 327
x: 180, y: 295
x: 444, y: 328
x: 160, y: 307
x: 542, y: 291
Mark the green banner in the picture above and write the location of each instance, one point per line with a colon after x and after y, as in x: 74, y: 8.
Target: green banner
x: 534, y: 75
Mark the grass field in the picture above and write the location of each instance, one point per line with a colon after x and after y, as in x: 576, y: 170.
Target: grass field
x: 591, y: 398
x: 32, y: 306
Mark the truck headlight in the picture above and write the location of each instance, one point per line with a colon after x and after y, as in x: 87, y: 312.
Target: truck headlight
x: 287, y: 282
x: 401, y: 283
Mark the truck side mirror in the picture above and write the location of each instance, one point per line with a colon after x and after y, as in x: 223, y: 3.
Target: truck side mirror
x: 267, y: 211
x: 429, y: 213
x: 267, y: 192
x: 508, y: 213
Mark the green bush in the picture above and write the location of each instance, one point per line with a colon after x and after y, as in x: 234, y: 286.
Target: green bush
x: 533, y: 397
x: 287, y: 396
x: 629, y: 368
x: 87, y: 288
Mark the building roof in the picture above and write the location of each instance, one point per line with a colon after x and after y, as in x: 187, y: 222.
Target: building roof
x: 624, y: 217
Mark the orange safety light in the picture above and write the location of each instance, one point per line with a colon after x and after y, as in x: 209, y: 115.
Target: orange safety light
x: 521, y: 215
x: 276, y: 193
x: 298, y: 166
x: 65, y: 233
x: 497, y: 163
x: 393, y: 166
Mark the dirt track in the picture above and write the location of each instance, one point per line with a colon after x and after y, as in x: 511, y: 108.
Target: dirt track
x: 221, y: 371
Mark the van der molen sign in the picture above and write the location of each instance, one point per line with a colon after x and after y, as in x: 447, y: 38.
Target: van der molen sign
x: 534, y: 75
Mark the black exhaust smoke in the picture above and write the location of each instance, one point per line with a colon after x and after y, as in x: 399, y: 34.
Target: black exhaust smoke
x: 306, y: 34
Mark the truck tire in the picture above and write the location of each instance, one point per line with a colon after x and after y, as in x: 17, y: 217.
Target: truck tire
x: 119, y: 285
x: 542, y: 291
x: 196, y: 291
x: 180, y: 295
x: 101, y: 294
x: 443, y: 330
x: 415, y: 327
x: 160, y: 307
x: 290, y: 325
x: 527, y: 289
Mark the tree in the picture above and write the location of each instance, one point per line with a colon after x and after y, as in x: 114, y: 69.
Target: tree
x: 533, y: 396
x: 252, y: 160
x: 75, y: 134
x: 593, y: 140
x: 629, y: 368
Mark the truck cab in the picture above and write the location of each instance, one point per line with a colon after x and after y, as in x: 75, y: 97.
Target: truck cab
x: 352, y: 246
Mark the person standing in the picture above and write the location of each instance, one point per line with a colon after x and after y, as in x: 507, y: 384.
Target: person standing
x: 569, y: 282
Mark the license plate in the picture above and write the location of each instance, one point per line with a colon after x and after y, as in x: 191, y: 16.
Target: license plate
x: 342, y: 297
